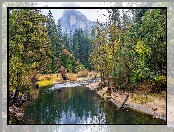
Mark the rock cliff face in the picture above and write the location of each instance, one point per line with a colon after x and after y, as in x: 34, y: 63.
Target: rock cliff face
x: 73, y: 19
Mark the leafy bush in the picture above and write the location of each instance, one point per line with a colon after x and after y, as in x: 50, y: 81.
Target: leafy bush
x: 160, y: 84
x: 80, y: 68
x: 141, y: 74
x: 70, y: 68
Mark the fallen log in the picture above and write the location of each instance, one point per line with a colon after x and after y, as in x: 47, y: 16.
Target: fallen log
x: 127, y: 96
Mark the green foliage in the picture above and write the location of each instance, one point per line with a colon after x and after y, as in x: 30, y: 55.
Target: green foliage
x: 130, y: 48
x: 75, y: 47
x: 81, y: 67
x: 69, y: 68
x: 124, y: 50
x: 160, y: 83
x: 54, y: 34
x: 81, y: 47
x: 29, y: 46
x: 142, y: 74
x: 153, y: 33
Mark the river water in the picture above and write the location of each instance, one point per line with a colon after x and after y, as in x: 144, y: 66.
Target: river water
x: 79, y: 105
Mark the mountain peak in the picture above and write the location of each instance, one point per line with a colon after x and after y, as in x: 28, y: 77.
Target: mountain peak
x: 73, y: 12
x: 73, y: 19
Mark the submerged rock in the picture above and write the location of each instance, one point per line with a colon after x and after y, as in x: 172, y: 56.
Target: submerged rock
x: 57, y: 89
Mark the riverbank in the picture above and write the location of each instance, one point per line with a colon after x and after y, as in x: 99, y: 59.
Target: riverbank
x: 149, y: 104
x: 51, y: 79
x: 155, y: 107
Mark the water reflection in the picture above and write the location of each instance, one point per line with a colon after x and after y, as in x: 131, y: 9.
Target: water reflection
x: 79, y: 105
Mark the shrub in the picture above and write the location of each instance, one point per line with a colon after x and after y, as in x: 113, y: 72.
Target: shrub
x: 160, y: 84
x: 70, y: 68
x: 80, y: 68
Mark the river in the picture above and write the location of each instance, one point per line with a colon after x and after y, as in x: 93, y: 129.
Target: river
x: 75, y: 104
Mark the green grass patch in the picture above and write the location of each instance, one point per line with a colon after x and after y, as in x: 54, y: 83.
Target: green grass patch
x: 47, y: 80
x: 45, y: 83
x: 141, y: 99
x: 161, y: 95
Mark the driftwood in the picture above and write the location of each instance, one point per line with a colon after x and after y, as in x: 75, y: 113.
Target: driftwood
x: 124, y: 101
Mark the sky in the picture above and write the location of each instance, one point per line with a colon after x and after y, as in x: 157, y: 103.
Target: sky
x: 91, y: 14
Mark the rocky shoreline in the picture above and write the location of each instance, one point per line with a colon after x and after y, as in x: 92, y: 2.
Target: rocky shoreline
x: 157, y: 108
x: 17, y: 101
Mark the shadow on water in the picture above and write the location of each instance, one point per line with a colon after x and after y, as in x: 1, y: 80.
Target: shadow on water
x: 79, y: 105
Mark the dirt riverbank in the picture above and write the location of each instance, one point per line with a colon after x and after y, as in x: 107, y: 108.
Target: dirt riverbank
x: 157, y: 107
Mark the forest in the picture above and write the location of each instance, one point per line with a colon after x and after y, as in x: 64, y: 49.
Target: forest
x: 129, y: 49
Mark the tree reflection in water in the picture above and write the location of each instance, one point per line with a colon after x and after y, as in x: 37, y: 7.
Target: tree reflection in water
x: 79, y: 105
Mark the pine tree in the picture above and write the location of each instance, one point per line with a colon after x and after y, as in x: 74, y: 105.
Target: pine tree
x: 29, y: 46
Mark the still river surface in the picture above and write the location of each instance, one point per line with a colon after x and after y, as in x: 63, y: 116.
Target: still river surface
x: 79, y: 105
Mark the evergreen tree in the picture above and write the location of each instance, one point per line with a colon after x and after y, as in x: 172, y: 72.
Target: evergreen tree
x: 29, y: 46
x: 130, y: 50
x: 54, y: 34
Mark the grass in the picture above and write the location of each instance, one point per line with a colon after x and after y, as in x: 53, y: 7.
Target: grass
x: 103, y: 96
x: 45, y: 83
x: 161, y: 95
x: 47, y: 80
x: 141, y: 99
x: 144, y: 93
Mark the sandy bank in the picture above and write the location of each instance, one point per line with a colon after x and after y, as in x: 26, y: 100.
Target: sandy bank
x: 157, y: 108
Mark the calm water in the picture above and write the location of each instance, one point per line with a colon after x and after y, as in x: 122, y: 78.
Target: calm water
x: 79, y: 105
